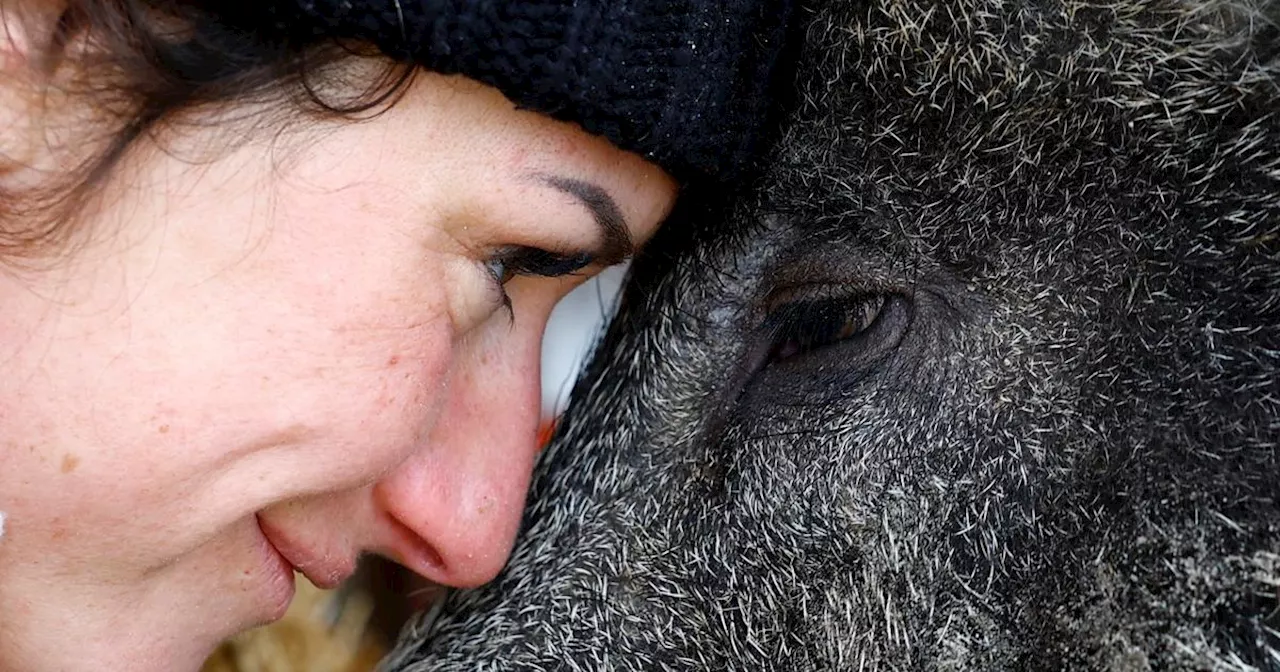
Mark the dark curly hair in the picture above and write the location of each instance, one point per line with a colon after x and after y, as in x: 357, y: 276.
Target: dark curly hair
x: 138, y: 64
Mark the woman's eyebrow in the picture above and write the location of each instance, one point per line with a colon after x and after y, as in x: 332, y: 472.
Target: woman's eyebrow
x: 613, y: 226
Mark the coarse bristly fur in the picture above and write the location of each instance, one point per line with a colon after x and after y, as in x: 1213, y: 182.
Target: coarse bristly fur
x: 984, y: 375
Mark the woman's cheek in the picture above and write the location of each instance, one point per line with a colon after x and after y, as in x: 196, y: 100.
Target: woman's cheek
x: 412, y: 390
x: 376, y: 418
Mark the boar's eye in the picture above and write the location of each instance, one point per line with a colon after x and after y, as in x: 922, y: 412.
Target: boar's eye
x: 867, y: 323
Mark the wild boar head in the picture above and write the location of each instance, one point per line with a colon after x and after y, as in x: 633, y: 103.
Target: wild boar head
x: 983, y: 374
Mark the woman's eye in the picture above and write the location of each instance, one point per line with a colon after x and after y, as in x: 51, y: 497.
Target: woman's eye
x: 806, y: 326
x: 515, y: 261
x: 499, y: 270
x: 531, y: 261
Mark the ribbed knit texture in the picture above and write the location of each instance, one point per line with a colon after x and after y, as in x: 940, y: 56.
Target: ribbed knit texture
x: 685, y: 83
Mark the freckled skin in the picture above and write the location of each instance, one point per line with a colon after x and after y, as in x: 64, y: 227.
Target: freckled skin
x: 1067, y: 459
x: 294, y: 347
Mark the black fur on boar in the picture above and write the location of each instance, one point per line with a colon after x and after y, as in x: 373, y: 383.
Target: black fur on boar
x: 983, y: 376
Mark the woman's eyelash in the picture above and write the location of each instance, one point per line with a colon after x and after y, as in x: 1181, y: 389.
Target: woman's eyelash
x: 517, y: 261
x: 537, y: 262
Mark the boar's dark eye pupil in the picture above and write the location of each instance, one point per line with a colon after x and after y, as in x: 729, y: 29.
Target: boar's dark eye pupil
x: 805, y: 326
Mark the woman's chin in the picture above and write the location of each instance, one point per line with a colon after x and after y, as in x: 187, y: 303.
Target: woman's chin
x: 244, y: 580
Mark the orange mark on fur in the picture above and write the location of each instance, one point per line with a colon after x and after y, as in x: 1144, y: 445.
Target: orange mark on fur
x: 545, y: 432
x: 69, y: 463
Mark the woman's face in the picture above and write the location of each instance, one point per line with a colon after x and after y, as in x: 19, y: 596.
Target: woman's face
x: 293, y: 354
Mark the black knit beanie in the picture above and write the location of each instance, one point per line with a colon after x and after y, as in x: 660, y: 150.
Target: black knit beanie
x: 685, y: 83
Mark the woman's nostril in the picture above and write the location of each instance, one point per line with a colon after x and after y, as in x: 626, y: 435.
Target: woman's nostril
x: 427, y: 555
x: 413, y: 552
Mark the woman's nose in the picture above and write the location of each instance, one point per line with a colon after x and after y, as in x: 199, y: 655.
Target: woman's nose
x: 459, y: 499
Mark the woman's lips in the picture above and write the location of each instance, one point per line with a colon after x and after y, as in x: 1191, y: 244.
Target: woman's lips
x: 323, y: 570
x: 280, y: 575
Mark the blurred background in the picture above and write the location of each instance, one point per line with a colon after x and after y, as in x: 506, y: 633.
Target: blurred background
x: 575, y: 325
